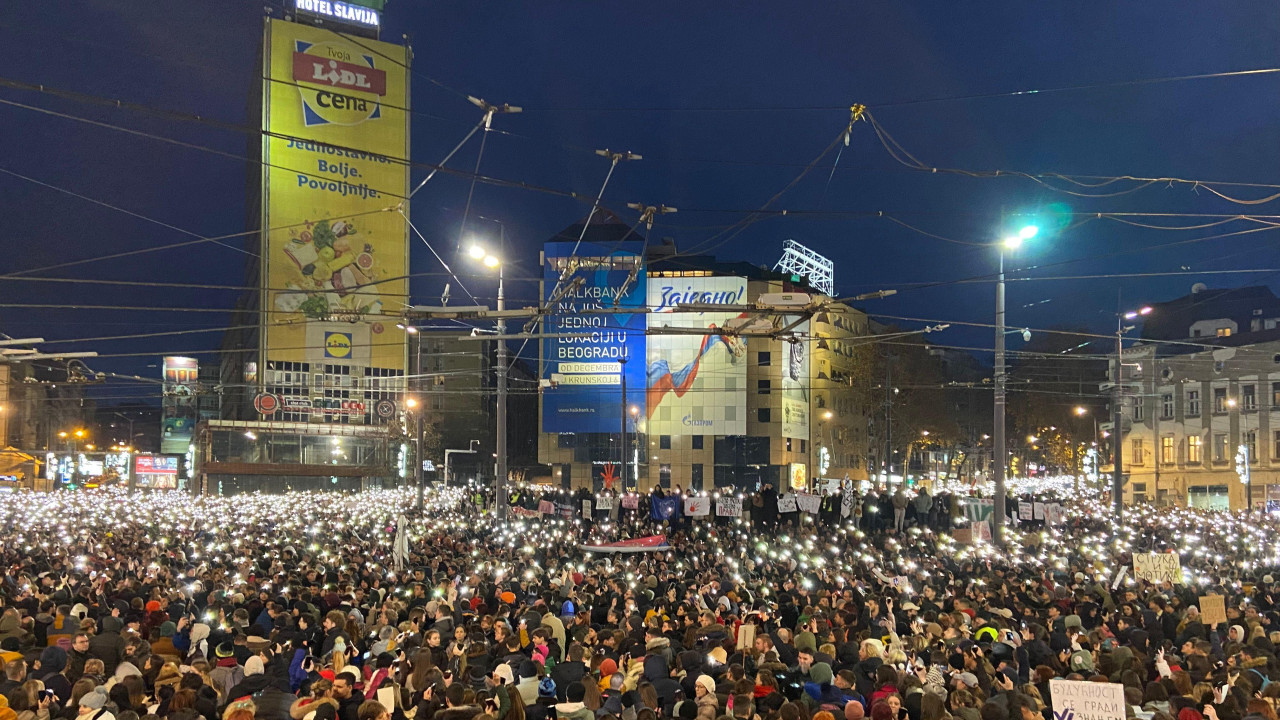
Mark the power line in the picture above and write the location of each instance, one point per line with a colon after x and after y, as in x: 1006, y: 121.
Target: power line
x: 917, y: 101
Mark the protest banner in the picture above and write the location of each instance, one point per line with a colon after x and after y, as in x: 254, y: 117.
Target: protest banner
x: 1083, y: 700
x: 787, y: 503
x: 1157, y: 567
x: 728, y: 507
x: 808, y: 502
x: 697, y: 506
x: 1213, y: 609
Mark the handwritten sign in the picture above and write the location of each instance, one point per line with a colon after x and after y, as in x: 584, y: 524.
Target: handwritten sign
x: 1053, y: 514
x: 1213, y: 609
x: 630, y: 502
x: 1039, y: 510
x: 808, y: 502
x: 787, y: 503
x: 605, y: 502
x: 1080, y: 700
x: 728, y: 507
x: 746, y: 636
x: 1025, y: 510
x: 1158, y: 567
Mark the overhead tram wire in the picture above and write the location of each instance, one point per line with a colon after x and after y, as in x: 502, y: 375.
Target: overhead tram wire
x: 1086, y: 182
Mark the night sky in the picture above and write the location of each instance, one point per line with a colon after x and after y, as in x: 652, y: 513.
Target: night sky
x: 726, y: 101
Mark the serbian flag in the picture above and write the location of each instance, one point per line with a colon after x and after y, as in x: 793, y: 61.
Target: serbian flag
x: 644, y: 544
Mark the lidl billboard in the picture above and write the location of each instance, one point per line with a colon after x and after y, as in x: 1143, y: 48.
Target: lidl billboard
x: 696, y: 380
x: 586, y: 356
x: 335, y: 147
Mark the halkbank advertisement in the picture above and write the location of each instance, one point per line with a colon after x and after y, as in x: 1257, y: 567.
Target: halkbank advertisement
x: 334, y: 152
x: 587, y: 356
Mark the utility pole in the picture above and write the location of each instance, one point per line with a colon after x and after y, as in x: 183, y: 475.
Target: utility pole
x: 998, y: 450
x: 500, y: 481
x: 888, y: 419
x: 622, y: 440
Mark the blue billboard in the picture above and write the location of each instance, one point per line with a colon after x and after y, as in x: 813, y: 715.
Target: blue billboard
x: 590, y: 358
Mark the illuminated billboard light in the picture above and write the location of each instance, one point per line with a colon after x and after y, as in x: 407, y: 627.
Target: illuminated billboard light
x: 340, y: 11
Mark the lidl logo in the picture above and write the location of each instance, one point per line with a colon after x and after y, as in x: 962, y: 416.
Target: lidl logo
x: 337, y: 345
x: 338, y: 85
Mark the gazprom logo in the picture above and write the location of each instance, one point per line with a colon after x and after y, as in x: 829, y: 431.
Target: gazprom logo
x: 688, y: 421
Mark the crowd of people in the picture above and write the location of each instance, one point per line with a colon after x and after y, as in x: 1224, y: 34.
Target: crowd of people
x: 311, y: 606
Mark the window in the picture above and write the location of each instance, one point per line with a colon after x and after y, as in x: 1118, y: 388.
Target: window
x: 1193, y: 403
x: 697, y: 442
x: 1193, y: 449
x: 1275, y: 445
x: 1138, y: 413
x: 763, y: 415
x: 762, y: 386
x: 1248, y: 397
x: 1275, y: 394
x: 1137, y: 452
x: 1219, y: 400
x: 1166, y: 404
x: 1224, y: 332
x: 1220, y: 448
x: 763, y: 359
x: 1251, y: 441
x: 788, y: 444
x: 695, y: 476
x: 802, y: 445
x: 664, y: 475
x: 664, y: 442
x: 1166, y: 450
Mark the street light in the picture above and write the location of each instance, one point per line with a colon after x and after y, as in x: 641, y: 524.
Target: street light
x: 1010, y: 243
x: 415, y: 427
x: 491, y: 261
x: 1117, y: 412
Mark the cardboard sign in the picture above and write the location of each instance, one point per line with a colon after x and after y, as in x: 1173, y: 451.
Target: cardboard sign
x: 605, y: 502
x: 1025, y: 511
x: 980, y: 531
x: 1081, y: 700
x: 1213, y: 609
x: 963, y: 535
x: 630, y: 502
x: 1039, y: 510
x: 1158, y: 567
x: 746, y: 636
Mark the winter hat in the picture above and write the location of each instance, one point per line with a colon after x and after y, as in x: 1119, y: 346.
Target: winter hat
x: 1081, y: 661
x: 853, y: 710
x: 1072, y: 621
x: 168, y: 629
x: 968, y: 678
x: 96, y: 698
x: 707, y: 684
x: 199, y: 632
x: 566, y: 609
x: 547, y: 688
x: 253, y: 666
x: 153, y: 606
x: 503, y: 673
x: 820, y: 673
x: 608, y: 667
x: 224, y: 650
x: 79, y: 611
x: 806, y: 641
x: 52, y: 660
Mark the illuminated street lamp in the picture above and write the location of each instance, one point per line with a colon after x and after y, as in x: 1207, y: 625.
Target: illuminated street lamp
x: 1117, y: 412
x: 493, y: 262
x: 1010, y: 243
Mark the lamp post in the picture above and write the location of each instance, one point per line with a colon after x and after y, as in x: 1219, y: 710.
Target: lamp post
x: 493, y: 262
x: 999, y: 458
x: 1117, y: 413
x: 635, y: 448
x: 415, y: 427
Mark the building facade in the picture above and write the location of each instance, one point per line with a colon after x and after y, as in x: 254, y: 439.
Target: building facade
x: 1201, y: 402
x: 672, y: 399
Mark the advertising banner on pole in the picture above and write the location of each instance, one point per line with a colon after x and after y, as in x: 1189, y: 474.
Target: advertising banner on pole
x: 795, y: 383
x: 696, y: 383
x: 178, y: 407
x: 587, y: 356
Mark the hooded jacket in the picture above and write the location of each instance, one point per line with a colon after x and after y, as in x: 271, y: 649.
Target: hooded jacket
x: 107, y: 645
